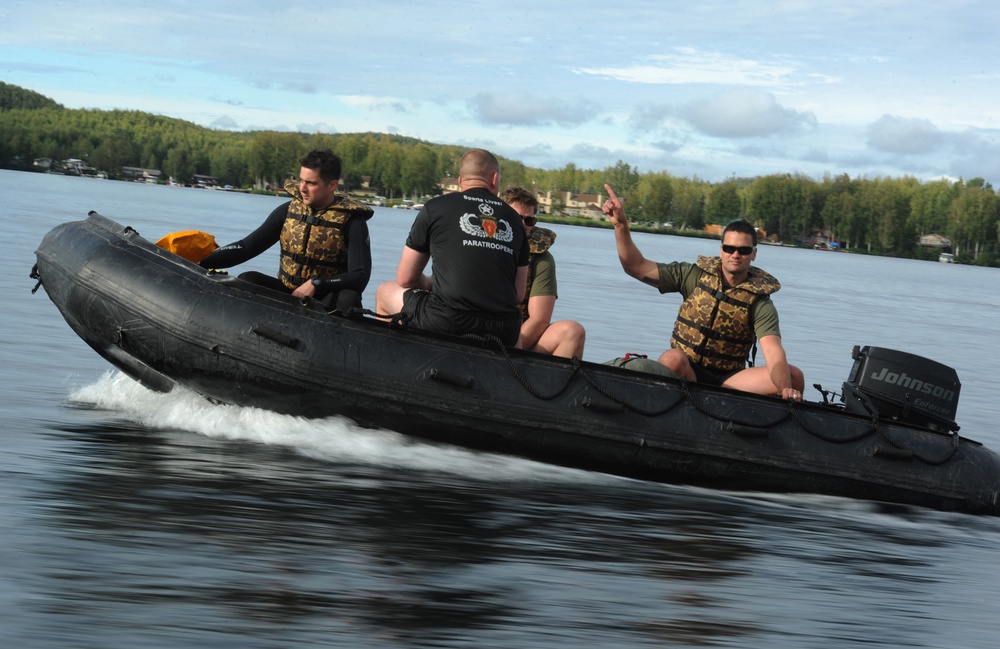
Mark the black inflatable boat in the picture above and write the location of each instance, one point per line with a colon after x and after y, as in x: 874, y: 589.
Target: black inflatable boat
x: 890, y: 437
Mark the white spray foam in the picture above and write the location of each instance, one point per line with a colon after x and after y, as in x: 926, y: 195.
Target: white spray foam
x: 333, y: 439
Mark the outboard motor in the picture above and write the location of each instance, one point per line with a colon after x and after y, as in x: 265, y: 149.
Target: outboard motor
x: 902, y: 387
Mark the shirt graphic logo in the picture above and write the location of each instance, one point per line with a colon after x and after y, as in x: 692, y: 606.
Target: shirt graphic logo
x: 486, y: 225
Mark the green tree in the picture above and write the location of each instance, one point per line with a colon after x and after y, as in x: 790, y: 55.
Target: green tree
x: 417, y: 174
x: 272, y: 157
x: 688, y: 205
x: 179, y: 163
x: 883, y: 210
x: 781, y: 204
x: 512, y: 173
x: 929, y: 206
x: 623, y: 178
x: 657, y: 196
x: 227, y: 162
x: 723, y: 203
x: 566, y: 180
x: 390, y: 164
x: 114, y: 153
x: 973, y: 219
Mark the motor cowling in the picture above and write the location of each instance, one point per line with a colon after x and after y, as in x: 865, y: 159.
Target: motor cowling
x: 903, y: 387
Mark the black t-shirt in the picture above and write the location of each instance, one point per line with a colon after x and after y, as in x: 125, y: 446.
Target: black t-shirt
x: 476, y: 243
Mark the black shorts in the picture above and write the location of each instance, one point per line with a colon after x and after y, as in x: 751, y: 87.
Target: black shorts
x: 711, y: 376
x: 425, y: 311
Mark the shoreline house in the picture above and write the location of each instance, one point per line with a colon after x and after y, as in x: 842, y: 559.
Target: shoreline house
x: 366, y: 190
x: 140, y: 175
x: 563, y: 203
x: 716, y: 229
x: 75, y: 167
x: 205, y: 182
x: 935, y: 242
x: 822, y: 239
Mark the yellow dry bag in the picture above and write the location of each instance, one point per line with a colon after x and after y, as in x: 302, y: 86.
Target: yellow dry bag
x: 193, y: 245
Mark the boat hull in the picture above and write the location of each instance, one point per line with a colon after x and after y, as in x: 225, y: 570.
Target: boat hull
x: 166, y: 321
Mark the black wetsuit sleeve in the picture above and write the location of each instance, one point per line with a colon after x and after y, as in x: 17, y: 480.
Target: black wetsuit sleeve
x: 359, y: 260
x: 251, y: 245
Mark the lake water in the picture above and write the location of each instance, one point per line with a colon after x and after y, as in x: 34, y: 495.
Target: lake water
x: 133, y: 519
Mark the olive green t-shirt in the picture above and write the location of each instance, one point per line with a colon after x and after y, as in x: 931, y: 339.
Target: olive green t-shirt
x: 681, y: 277
x: 543, y: 268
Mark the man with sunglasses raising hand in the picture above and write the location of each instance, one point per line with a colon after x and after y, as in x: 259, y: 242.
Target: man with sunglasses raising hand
x: 727, y: 307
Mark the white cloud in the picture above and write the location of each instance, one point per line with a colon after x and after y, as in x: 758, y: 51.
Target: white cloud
x: 905, y: 136
x: 225, y: 123
x: 528, y: 110
x: 694, y: 67
x: 745, y: 112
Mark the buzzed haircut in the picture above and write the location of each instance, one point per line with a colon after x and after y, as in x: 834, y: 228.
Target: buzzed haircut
x: 478, y: 163
x: 741, y: 227
x: 517, y: 194
x: 325, y: 161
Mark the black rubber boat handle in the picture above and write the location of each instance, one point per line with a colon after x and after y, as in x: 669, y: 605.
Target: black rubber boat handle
x: 892, y: 453
x: 276, y: 336
x: 602, y: 406
x: 447, y: 377
x: 746, y: 431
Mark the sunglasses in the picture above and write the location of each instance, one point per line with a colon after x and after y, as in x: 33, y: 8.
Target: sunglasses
x: 529, y: 220
x: 743, y: 250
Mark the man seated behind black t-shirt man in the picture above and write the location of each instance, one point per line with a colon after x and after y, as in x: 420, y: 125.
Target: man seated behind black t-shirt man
x: 325, y: 246
x: 480, y: 253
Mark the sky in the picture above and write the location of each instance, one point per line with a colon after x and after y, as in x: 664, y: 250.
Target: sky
x: 704, y: 89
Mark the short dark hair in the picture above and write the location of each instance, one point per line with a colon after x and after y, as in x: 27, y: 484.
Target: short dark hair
x: 325, y: 161
x: 518, y: 194
x: 742, y: 227
x: 478, y: 163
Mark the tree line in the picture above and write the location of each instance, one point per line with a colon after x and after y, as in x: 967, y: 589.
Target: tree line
x: 883, y: 216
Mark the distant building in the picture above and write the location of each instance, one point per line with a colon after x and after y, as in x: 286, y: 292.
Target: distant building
x: 201, y: 180
x: 821, y: 240
x: 938, y: 241
x: 366, y: 191
x: 75, y: 167
x: 717, y: 228
x: 587, y: 206
x: 140, y: 175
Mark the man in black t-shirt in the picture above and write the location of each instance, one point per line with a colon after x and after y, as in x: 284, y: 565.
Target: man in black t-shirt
x: 480, y: 260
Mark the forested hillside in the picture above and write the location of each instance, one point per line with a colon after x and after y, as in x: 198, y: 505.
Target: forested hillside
x: 17, y: 97
x: 877, y: 215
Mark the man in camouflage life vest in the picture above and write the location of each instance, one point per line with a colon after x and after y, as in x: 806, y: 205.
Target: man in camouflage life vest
x: 727, y: 306
x: 564, y: 338
x: 325, y: 247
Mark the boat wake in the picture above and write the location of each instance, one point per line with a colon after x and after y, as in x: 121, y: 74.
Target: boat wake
x: 333, y: 439
x: 339, y: 441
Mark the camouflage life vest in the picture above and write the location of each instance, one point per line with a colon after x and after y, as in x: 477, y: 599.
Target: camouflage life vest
x: 713, y: 327
x: 539, y: 241
x: 313, y: 243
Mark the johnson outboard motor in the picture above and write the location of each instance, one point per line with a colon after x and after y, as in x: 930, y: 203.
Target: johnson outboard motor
x: 902, y: 387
